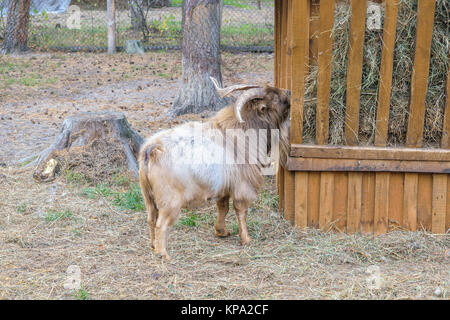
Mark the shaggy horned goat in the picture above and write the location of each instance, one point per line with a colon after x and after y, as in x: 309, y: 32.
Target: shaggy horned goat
x: 194, y: 162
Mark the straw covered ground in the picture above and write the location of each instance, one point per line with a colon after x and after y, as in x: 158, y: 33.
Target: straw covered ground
x: 44, y: 229
x: 95, y: 220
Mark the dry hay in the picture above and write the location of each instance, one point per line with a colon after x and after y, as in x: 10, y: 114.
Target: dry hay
x: 401, y: 81
x: 94, y: 163
x: 111, y: 248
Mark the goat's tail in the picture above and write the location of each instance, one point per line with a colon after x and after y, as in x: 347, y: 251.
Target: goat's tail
x: 148, y: 155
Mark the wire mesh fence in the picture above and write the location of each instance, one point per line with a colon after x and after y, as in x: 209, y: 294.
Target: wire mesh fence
x: 247, y: 25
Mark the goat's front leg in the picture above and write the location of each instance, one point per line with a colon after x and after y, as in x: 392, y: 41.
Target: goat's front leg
x: 223, y: 205
x: 241, y: 208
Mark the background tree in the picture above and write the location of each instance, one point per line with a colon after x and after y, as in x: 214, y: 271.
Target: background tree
x: 16, y: 33
x: 139, y: 11
x: 200, y: 57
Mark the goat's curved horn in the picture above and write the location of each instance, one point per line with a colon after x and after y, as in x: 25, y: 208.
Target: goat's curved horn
x: 222, y: 92
x: 257, y: 93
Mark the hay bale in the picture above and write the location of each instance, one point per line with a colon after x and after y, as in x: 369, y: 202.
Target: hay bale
x: 401, y: 82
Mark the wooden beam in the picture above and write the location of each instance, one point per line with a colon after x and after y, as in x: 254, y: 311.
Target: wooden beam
x: 324, y: 73
x: 419, y: 78
x: 340, y: 201
x: 313, y: 199
x: 283, y: 45
x: 289, y: 177
x: 387, y: 62
x: 369, y: 153
x: 410, y: 201
x: 445, y: 141
x: 314, y: 31
x: 298, y: 50
x: 367, y: 202
x: 318, y: 164
x: 396, y: 186
x: 326, y: 200
x: 354, y: 73
x: 354, y: 202
x: 300, y: 57
x: 424, y: 199
x: 381, y: 213
x: 289, y: 196
x: 277, y: 41
x: 439, y: 203
x: 301, y: 199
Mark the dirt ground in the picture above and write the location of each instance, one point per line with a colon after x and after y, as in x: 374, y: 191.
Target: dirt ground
x: 47, y: 227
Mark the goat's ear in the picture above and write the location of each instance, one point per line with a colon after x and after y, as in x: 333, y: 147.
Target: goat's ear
x: 276, y: 98
x: 262, y: 106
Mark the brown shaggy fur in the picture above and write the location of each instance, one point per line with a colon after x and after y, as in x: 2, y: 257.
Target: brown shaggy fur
x: 165, y: 194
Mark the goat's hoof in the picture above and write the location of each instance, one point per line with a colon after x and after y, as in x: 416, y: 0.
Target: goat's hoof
x: 163, y: 256
x: 222, y: 233
x: 245, y: 241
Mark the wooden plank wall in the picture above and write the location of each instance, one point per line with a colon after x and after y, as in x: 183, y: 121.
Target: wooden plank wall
x: 372, y: 202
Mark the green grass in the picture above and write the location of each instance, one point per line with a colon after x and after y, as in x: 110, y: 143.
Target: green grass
x: 18, y: 74
x: 190, y: 219
x: 53, y: 215
x: 81, y: 294
x: 24, y: 163
x: 166, y: 31
x: 130, y: 199
x: 121, y: 180
x: 235, y: 3
x: 100, y: 189
x: 21, y: 208
x: 126, y: 199
x: 194, y: 219
x: 247, y: 34
x: 75, y: 177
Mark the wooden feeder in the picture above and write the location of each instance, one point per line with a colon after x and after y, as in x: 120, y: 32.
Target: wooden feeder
x: 355, y: 188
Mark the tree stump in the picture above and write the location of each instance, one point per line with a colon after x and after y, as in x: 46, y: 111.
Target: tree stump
x: 86, y: 131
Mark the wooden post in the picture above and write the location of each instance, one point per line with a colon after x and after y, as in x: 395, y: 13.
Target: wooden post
x: 354, y: 73
x: 387, y: 63
x: 419, y: 78
x: 111, y: 12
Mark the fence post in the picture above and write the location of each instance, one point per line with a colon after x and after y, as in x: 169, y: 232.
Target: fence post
x: 111, y: 12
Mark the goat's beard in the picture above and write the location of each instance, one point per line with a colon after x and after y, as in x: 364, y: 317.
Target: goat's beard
x: 284, y: 142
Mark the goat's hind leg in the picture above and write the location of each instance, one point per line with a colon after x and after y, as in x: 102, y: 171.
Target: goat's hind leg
x: 223, y: 206
x: 166, y: 218
x: 152, y: 217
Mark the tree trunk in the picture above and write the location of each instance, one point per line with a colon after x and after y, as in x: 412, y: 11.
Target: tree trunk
x: 111, y: 9
x: 200, y: 58
x: 80, y: 132
x: 137, y: 14
x: 16, y: 33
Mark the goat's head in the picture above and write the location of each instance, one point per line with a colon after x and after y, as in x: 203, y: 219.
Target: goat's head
x: 257, y: 102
